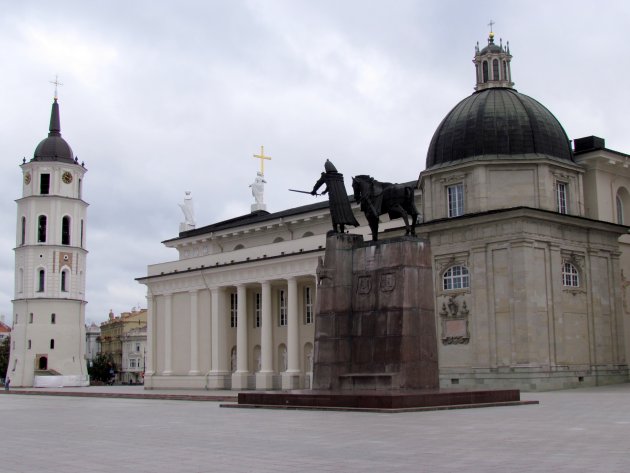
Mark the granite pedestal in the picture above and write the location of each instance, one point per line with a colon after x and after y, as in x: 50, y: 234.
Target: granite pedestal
x: 375, y: 336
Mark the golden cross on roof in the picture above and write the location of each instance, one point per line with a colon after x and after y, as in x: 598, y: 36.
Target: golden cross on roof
x: 262, y: 158
x: 57, y: 84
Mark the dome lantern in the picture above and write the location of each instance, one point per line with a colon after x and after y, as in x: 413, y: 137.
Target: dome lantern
x: 492, y: 65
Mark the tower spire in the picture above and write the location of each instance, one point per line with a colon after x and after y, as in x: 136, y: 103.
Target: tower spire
x: 55, y: 124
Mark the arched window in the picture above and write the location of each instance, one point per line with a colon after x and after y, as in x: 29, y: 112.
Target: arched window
x: 456, y: 277
x: 239, y: 247
x: 41, y: 281
x: 43, y: 363
x: 307, y: 234
x: 65, y: 230
x: 622, y: 202
x: 81, y: 233
x: 23, y: 231
x: 20, y: 280
x: 41, y: 229
x: 278, y: 239
x: 495, y: 69
x: 485, y: 71
x: 570, y: 275
x: 64, y: 280
x: 505, y: 76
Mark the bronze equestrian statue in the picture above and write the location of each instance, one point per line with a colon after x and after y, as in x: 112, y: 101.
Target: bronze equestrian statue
x: 378, y: 198
x: 340, y: 210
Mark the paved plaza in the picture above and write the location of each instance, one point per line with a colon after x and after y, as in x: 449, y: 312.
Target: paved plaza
x: 582, y: 430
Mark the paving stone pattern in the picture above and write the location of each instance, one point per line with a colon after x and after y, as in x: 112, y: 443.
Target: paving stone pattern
x: 582, y: 430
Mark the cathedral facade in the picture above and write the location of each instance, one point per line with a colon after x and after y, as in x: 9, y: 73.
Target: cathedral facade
x: 530, y: 260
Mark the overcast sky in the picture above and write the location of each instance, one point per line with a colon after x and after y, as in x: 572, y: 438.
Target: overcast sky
x: 164, y: 97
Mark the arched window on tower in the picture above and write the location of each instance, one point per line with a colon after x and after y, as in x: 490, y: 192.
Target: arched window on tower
x: 41, y: 229
x: 81, y: 233
x: 485, y: 71
x: 65, y: 230
x: 495, y: 69
x: 64, y: 280
x: 41, y: 281
x: 619, y: 205
x: 23, y: 232
x: 505, y: 75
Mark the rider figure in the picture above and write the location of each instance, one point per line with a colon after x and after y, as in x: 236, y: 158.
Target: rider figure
x: 340, y: 210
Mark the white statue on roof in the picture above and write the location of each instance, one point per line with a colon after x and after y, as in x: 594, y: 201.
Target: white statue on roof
x: 258, y: 190
x: 189, y: 213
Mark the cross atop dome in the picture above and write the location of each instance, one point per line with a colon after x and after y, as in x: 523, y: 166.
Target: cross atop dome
x: 492, y: 64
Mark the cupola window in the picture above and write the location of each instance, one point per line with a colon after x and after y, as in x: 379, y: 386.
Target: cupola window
x: 23, y: 232
x: 495, y: 69
x: 561, y: 195
x: 455, y: 198
x: 485, y: 71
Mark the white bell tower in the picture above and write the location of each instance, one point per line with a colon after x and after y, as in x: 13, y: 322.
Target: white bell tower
x: 48, y: 337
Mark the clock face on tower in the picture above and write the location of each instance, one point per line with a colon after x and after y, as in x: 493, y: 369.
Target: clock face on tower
x: 27, y: 178
x: 66, y: 177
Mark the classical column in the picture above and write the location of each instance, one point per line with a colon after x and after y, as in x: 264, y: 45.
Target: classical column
x: 149, y: 347
x: 239, y: 378
x: 194, y: 333
x: 219, y: 368
x: 291, y: 377
x: 168, y: 335
x: 264, y: 378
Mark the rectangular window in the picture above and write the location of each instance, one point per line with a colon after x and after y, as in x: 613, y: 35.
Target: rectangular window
x: 30, y: 318
x: 282, y: 306
x: 561, y: 191
x: 308, y: 305
x: 137, y: 347
x: 132, y: 363
x: 53, y: 318
x: 455, y: 196
x: 29, y: 344
x: 257, y: 309
x: 44, y: 184
x: 233, y: 309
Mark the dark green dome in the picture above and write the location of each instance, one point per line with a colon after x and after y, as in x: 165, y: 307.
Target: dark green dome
x: 497, y: 122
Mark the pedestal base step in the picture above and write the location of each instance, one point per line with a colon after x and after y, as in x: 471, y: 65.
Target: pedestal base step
x: 368, y: 381
x: 375, y: 401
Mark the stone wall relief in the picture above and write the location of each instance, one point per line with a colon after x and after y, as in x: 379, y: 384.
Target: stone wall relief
x: 454, y: 314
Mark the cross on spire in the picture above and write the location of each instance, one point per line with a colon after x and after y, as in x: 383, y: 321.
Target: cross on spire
x: 491, y: 24
x: 262, y: 158
x: 57, y: 84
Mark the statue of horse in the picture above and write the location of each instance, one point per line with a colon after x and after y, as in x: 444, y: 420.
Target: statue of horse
x: 379, y: 198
